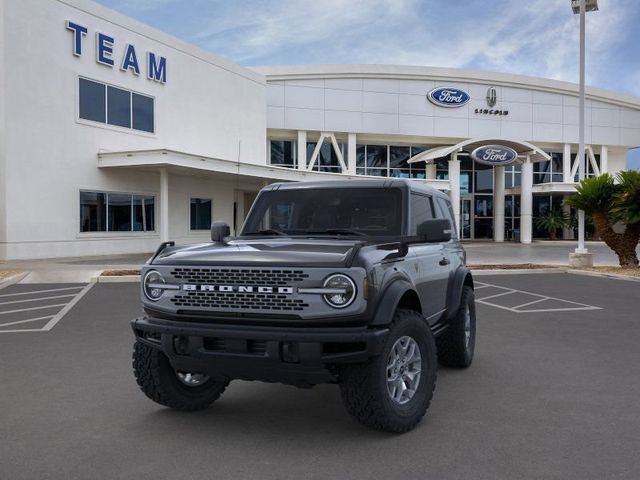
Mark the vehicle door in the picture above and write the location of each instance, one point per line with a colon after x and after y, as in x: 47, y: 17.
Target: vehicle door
x: 432, y: 275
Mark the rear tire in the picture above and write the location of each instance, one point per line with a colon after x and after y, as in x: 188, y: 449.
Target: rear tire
x: 364, y: 387
x: 456, y: 345
x: 162, y: 384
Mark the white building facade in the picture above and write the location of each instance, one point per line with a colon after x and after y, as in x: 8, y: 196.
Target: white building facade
x: 115, y: 136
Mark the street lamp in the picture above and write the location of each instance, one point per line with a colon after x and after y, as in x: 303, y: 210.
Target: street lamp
x: 580, y: 7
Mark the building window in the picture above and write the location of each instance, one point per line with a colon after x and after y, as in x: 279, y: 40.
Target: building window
x: 283, y: 153
x: 93, y: 103
x: 442, y: 169
x: 512, y: 175
x: 93, y: 212
x: 201, y: 213
x: 389, y: 161
x: 543, y: 205
x: 327, y: 160
x: 116, y: 212
x: 548, y: 171
x: 589, y: 171
x: 111, y: 105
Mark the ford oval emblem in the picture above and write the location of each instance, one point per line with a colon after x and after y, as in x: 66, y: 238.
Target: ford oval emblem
x: 448, y: 97
x: 494, y: 155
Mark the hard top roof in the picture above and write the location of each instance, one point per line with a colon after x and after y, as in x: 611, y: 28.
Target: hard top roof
x: 403, y: 183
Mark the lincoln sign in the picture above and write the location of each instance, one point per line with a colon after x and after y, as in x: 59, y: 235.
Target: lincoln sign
x: 494, y: 155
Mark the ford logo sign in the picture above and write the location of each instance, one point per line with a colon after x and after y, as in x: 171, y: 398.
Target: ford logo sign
x: 494, y: 155
x: 448, y: 97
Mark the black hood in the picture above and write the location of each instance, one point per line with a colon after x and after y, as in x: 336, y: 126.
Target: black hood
x: 284, y: 252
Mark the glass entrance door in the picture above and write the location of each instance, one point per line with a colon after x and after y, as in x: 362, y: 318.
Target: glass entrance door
x: 466, y: 223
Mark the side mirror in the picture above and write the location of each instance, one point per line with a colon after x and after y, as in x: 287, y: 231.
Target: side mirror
x: 436, y: 230
x: 219, y: 231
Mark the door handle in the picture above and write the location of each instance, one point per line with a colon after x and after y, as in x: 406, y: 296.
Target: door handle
x: 444, y: 261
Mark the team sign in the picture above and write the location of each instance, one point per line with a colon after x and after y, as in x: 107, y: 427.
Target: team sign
x: 156, y: 65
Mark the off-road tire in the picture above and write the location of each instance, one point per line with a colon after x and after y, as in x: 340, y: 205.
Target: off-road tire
x: 159, y: 381
x: 364, y: 386
x: 453, y: 349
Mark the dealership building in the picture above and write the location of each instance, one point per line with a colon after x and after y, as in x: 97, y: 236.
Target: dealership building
x: 115, y: 136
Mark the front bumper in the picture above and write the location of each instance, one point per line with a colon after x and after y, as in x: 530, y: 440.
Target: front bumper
x: 298, y: 356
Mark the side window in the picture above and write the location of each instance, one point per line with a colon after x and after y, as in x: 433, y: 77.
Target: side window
x: 421, y: 210
x: 447, y: 212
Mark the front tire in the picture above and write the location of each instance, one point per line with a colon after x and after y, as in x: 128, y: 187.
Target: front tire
x: 178, y: 390
x: 456, y: 346
x: 383, y: 394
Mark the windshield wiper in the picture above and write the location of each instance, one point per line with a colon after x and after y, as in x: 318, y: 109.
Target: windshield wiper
x: 266, y: 231
x: 335, y: 231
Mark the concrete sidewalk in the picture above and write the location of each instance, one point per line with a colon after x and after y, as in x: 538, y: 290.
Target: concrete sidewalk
x: 73, y: 269
x: 83, y: 269
x: 539, y: 253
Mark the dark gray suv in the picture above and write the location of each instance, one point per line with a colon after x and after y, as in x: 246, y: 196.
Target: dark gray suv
x: 361, y: 283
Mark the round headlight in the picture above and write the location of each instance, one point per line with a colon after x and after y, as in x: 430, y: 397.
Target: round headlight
x: 344, y: 291
x: 152, y: 285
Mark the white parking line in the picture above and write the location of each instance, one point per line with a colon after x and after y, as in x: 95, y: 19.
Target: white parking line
x: 38, y: 299
x: 540, y: 299
x: 41, y: 291
x: 52, y: 319
x: 26, y: 321
x: 51, y: 323
x: 33, y: 308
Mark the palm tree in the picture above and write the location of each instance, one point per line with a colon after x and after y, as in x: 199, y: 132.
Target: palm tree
x: 610, y: 202
x: 552, y: 221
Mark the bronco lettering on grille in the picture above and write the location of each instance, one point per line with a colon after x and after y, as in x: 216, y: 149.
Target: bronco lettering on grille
x: 236, y: 288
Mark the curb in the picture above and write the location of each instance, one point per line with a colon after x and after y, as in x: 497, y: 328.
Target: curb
x: 518, y: 271
x: 12, y: 279
x: 117, y: 279
x: 613, y: 276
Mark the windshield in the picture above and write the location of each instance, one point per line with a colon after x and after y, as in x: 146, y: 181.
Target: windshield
x: 327, y: 211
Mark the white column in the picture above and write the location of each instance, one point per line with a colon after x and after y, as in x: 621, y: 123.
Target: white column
x: 431, y: 171
x: 302, y: 150
x: 526, y: 202
x: 454, y: 187
x: 164, y: 205
x: 604, y: 159
x: 351, y: 153
x: 566, y: 164
x: 498, y: 204
x: 567, y: 231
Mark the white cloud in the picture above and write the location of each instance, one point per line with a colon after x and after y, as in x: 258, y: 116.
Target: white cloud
x: 530, y: 37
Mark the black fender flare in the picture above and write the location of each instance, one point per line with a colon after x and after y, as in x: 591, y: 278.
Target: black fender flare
x: 461, y: 277
x: 389, y: 300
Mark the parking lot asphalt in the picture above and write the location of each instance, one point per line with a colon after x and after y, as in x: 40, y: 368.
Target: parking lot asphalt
x: 552, y: 394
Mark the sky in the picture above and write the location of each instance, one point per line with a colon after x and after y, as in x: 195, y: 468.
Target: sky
x: 529, y: 37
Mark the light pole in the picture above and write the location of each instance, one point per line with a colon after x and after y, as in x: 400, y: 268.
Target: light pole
x: 580, y: 7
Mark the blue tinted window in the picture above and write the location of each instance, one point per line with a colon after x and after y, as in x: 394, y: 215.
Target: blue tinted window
x: 200, y: 214
x: 118, y: 107
x: 93, y: 212
x: 143, y: 213
x: 119, y: 206
x: 142, y: 113
x: 92, y: 101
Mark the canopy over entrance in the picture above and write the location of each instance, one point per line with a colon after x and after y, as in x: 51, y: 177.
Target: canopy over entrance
x: 522, y: 148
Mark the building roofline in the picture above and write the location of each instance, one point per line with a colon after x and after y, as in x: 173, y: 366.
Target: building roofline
x: 412, y: 72
x: 118, y: 19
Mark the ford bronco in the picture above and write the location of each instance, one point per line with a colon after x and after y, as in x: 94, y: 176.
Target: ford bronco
x: 361, y: 283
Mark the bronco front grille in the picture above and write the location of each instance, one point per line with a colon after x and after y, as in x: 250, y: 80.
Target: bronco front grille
x: 235, y: 300
x: 244, y: 276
